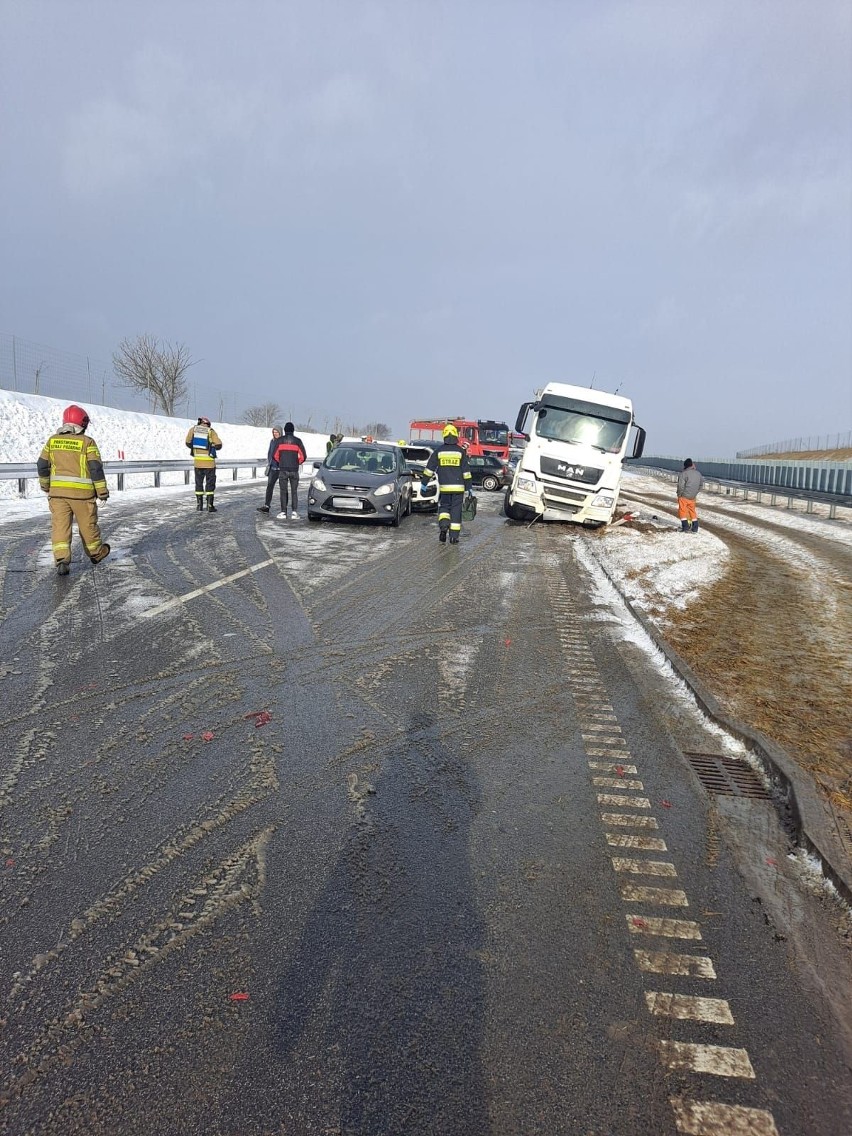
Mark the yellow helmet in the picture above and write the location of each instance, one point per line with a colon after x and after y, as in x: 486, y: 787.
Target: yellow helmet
x: 450, y: 431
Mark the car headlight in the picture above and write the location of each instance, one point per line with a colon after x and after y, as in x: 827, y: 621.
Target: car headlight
x: 603, y: 500
x: 318, y: 483
x: 527, y: 485
x: 383, y: 490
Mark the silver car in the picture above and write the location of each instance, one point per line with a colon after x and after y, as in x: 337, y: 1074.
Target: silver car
x: 424, y: 498
x: 365, y: 480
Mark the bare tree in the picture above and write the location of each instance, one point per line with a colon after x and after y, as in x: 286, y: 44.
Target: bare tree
x: 377, y: 430
x: 267, y: 414
x: 157, y: 369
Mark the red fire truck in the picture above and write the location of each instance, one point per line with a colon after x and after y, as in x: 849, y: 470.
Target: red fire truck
x: 478, y: 436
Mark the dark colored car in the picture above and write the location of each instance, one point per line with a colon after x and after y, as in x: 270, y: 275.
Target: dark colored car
x: 366, y: 480
x: 489, y: 471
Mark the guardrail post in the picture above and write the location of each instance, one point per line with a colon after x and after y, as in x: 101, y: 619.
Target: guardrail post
x: 832, y: 512
x: 774, y: 499
x: 789, y: 502
x: 810, y: 507
x: 759, y: 496
x: 22, y: 487
x: 156, y: 479
x: 119, y: 481
x: 186, y: 477
x: 234, y: 472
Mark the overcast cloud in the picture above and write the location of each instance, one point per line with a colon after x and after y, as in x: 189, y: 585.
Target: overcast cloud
x: 385, y: 210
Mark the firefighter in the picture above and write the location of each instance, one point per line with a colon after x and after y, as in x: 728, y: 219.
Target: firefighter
x: 449, y: 461
x: 204, y: 443
x: 71, y: 473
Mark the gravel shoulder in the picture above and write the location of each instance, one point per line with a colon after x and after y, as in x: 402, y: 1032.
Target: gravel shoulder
x: 768, y: 627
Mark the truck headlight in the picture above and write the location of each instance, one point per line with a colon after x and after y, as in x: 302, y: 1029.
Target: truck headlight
x: 603, y: 500
x: 318, y: 483
x: 527, y: 485
x: 383, y: 490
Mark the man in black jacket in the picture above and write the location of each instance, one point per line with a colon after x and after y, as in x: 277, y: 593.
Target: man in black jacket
x: 289, y: 453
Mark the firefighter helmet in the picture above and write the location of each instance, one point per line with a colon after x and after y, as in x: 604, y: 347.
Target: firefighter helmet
x: 202, y: 421
x: 74, y: 415
x: 450, y: 431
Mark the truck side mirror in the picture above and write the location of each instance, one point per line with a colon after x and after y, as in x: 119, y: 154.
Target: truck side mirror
x: 638, y: 443
x: 522, y: 418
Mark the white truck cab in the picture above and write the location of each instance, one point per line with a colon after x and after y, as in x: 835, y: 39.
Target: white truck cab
x: 577, y: 440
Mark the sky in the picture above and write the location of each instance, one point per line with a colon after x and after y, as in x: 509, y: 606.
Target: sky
x: 384, y: 210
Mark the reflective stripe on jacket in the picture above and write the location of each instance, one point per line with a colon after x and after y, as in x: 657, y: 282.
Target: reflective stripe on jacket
x: 450, y: 464
x: 290, y: 453
x: 70, y: 466
x: 203, y: 443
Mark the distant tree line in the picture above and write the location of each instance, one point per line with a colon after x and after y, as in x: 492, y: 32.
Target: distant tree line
x: 270, y: 414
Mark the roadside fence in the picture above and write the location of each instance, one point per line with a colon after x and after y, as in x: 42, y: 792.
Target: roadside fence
x: 812, y: 442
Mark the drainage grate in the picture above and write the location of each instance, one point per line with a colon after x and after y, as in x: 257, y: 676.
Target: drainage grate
x: 727, y: 776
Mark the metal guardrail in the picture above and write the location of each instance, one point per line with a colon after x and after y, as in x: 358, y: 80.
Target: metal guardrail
x: 815, y: 477
x: 22, y: 472
x: 763, y: 494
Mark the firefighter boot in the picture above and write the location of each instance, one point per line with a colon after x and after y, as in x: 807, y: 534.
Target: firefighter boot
x: 101, y: 554
x: 200, y: 504
x: 454, y: 538
x: 211, y: 508
x: 63, y: 567
x: 442, y: 535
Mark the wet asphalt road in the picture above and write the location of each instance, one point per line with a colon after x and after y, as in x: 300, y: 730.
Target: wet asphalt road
x: 379, y: 836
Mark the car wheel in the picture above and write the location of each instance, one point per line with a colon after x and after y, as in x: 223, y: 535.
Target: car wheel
x: 407, y: 512
x: 396, y: 516
x: 491, y: 483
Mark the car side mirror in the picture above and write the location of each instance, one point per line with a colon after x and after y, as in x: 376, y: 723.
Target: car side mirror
x: 317, y: 465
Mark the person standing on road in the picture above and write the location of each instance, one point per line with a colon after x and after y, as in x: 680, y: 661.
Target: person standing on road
x: 71, y: 473
x: 689, y: 483
x: 289, y: 453
x: 204, y: 443
x: 271, y: 470
x: 450, y: 463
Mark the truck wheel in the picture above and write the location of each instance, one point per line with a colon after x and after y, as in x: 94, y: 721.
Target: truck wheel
x: 514, y: 512
x: 490, y: 483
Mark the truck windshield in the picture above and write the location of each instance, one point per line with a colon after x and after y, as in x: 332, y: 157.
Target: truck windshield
x: 497, y: 435
x: 579, y: 427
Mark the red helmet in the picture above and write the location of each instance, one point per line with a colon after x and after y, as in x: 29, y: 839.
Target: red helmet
x: 75, y: 416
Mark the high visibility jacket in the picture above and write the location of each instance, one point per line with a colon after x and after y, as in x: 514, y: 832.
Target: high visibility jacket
x: 290, y: 453
x: 203, y: 443
x: 450, y: 463
x: 70, y: 466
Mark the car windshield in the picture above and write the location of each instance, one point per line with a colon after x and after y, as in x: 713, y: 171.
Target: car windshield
x: 361, y: 458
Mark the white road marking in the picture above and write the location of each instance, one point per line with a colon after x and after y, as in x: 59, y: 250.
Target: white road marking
x: 616, y: 783
x: 667, y: 928
x: 603, y: 739
x: 707, y: 1118
x: 664, y: 897
x: 152, y: 611
x: 592, y: 751
x: 688, y: 1007
x: 623, y: 801
x: 667, y: 962
x: 644, y: 867
x: 629, y: 820
x: 646, y: 843
x: 612, y: 766
x: 604, y: 727
x: 718, y: 1060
